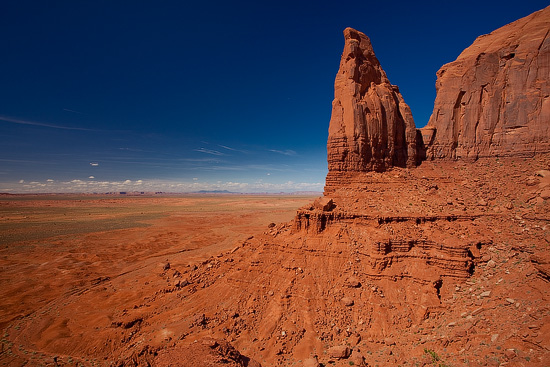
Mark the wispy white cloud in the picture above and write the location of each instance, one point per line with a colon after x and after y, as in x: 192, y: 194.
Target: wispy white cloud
x: 94, y: 164
x: 233, y: 149
x: 209, y: 151
x: 73, y: 111
x: 199, y: 160
x: 133, y: 150
x: 222, y: 168
x: 25, y: 161
x: 137, y: 150
x: 248, y: 167
x: 41, y: 124
x: 271, y: 167
x: 288, y: 152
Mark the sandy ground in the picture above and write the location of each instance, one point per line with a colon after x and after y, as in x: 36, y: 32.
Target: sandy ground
x: 52, y: 247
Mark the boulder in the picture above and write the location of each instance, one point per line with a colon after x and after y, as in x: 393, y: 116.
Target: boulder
x: 358, y: 359
x: 311, y: 362
x: 324, y: 203
x: 353, y: 282
x: 347, y: 301
x: 339, y: 352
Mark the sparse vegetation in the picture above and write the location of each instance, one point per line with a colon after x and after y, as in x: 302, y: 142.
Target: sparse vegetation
x: 436, y: 359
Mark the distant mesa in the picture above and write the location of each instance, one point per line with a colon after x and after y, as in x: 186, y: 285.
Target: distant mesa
x: 215, y: 192
x: 494, y: 99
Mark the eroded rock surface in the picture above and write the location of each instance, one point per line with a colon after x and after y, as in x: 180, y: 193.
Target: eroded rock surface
x: 494, y: 99
x: 371, y: 127
x: 446, y: 263
x: 206, y: 352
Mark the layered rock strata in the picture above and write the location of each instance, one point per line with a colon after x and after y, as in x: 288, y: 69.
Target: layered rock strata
x: 371, y: 127
x: 445, y: 262
x: 494, y: 99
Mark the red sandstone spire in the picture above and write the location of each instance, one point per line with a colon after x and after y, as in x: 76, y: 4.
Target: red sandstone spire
x: 371, y: 127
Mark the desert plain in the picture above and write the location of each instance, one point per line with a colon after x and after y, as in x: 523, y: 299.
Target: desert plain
x: 55, y: 247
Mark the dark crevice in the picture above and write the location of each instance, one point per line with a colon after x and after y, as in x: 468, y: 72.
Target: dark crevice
x: 544, y: 276
x: 509, y: 56
x: 437, y: 285
x: 456, y: 118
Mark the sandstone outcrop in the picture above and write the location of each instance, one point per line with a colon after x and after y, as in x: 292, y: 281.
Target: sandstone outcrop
x: 371, y: 128
x: 445, y: 262
x: 494, y: 99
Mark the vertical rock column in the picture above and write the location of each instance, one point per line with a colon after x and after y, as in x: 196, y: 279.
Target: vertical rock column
x: 371, y: 127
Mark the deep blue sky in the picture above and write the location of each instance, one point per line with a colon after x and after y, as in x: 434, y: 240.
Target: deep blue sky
x: 181, y: 96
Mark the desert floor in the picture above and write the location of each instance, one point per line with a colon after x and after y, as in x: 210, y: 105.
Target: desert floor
x: 53, y: 246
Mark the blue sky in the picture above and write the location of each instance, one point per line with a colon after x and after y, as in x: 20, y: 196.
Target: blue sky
x: 177, y: 96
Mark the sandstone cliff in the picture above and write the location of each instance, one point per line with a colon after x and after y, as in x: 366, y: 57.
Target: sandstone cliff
x: 493, y: 100
x: 445, y: 262
x: 371, y: 127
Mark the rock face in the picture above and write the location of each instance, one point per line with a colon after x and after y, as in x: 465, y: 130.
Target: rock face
x: 371, y: 128
x: 494, y: 99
